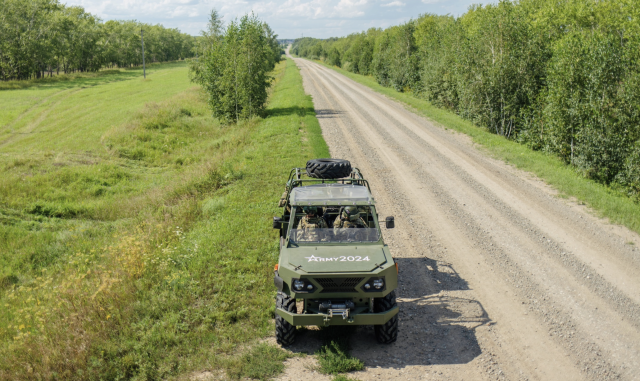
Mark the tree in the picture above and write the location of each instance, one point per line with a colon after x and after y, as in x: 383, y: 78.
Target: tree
x: 43, y: 36
x: 234, y: 66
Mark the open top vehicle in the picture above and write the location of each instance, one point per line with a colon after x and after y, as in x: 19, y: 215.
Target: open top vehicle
x: 332, y: 254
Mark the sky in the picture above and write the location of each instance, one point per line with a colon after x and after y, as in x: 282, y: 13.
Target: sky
x: 288, y: 18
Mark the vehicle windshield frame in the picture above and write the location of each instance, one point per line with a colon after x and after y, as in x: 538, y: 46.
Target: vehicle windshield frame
x: 295, y: 210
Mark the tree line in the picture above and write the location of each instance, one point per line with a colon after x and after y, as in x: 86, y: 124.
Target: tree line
x: 233, y: 65
x: 42, y: 37
x: 559, y: 76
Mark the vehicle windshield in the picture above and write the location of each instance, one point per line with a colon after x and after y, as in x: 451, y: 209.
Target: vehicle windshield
x: 316, y: 224
x: 341, y: 235
x: 334, y: 192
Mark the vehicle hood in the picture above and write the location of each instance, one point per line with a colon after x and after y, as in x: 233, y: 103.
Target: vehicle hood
x: 323, y: 259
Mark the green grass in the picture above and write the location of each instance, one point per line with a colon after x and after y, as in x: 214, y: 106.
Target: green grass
x: 135, y: 229
x: 333, y: 356
x: 74, y: 114
x: 262, y: 362
x: 70, y: 177
x: 605, y: 201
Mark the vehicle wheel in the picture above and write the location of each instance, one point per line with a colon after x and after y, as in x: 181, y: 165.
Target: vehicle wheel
x: 285, y: 332
x: 388, y: 332
x: 328, y: 168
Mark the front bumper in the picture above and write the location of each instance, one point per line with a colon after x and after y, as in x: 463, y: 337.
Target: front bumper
x: 356, y: 318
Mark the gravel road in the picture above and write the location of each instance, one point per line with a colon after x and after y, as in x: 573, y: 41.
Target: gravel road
x: 500, y: 279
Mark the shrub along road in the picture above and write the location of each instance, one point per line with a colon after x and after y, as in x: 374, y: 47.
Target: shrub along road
x: 499, y: 278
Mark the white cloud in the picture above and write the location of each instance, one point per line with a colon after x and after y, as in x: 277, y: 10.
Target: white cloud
x: 288, y: 18
x: 350, y: 8
x: 394, y: 4
x: 298, y: 9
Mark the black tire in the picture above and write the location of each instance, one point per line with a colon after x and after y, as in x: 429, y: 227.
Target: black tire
x: 328, y: 168
x: 388, y: 332
x: 285, y: 332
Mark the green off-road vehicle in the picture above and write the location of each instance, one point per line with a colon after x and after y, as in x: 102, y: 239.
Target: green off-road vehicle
x: 333, y: 259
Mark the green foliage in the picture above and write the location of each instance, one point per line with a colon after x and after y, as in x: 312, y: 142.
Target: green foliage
x: 562, y: 77
x: 629, y: 177
x: 589, y: 117
x: 499, y: 67
x: 333, y: 58
x: 41, y: 37
x: 234, y: 65
x: 434, y: 35
x: 262, y: 362
x: 395, y: 63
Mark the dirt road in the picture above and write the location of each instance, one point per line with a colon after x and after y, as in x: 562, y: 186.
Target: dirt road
x: 499, y: 278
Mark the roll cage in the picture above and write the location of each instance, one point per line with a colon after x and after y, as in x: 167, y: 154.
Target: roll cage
x: 298, y: 177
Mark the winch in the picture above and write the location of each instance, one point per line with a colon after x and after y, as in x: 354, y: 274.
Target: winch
x: 338, y: 308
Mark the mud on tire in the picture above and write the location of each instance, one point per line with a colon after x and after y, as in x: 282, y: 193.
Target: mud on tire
x: 387, y: 332
x: 328, y: 168
x: 285, y: 332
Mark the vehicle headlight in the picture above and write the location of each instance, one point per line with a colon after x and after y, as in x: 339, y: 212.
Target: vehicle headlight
x: 302, y: 285
x: 375, y: 284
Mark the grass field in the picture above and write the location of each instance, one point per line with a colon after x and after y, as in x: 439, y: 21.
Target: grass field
x: 607, y: 202
x: 135, y: 237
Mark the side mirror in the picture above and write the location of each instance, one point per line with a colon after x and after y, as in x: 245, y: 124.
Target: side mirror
x: 277, y: 223
x: 390, y: 222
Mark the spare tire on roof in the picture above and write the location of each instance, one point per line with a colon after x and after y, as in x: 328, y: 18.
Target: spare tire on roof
x: 328, y: 168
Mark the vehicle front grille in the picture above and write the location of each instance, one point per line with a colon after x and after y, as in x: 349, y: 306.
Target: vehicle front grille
x: 338, y: 284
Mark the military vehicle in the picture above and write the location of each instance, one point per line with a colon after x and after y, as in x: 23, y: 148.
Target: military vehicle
x: 333, y: 261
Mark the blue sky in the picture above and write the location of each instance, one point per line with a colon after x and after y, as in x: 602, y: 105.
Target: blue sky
x: 288, y: 18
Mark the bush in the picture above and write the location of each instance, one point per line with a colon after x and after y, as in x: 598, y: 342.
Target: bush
x: 629, y: 177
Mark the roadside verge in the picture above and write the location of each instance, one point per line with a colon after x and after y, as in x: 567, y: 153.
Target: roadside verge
x: 237, y: 242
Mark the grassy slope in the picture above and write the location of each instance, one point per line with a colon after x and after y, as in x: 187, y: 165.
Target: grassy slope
x: 55, y: 160
x: 605, y: 201
x: 151, y: 254
x: 74, y: 114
